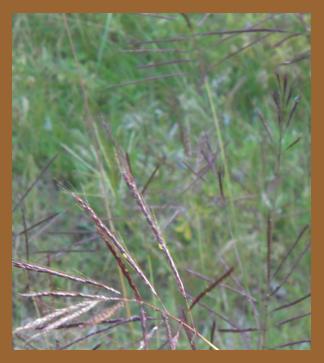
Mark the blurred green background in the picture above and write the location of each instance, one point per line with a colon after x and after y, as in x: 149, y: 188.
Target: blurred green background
x: 171, y: 93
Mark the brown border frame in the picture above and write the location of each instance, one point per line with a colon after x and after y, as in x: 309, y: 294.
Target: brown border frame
x: 7, y: 9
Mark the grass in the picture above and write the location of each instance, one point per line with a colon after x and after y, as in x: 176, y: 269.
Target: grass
x: 185, y: 141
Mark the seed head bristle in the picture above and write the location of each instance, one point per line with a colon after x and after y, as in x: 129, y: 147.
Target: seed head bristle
x: 111, y: 240
x: 104, y: 315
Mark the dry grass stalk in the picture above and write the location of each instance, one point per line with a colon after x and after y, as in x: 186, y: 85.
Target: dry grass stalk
x: 110, y: 239
x: 293, y: 143
x: 244, y: 47
x: 70, y: 294
x: 67, y: 318
x: 130, y: 181
x: 31, y: 186
x: 168, y: 330
x: 49, y: 317
x: 298, y: 342
x: 111, y: 322
x: 269, y: 250
x: 164, y: 312
x: 44, y: 220
x: 104, y: 315
x: 300, y: 316
x: 266, y: 126
x: 41, y: 269
x: 292, y: 303
x: 212, y: 331
x: 149, y: 336
x: 292, y: 247
x: 149, y: 180
x: 244, y: 330
x: 174, y: 340
x: 188, y: 332
x: 112, y: 243
x: 116, y: 323
x: 292, y: 269
x: 211, y: 33
x: 210, y: 287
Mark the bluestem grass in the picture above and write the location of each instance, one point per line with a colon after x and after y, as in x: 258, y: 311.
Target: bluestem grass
x: 111, y: 240
x: 130, y: 181
x: 41, y: 269
x: 56, y: 314
x: 104, y: 315
x: 71, y: 313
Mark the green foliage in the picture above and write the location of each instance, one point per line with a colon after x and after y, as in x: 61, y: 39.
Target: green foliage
x: 65, y: 88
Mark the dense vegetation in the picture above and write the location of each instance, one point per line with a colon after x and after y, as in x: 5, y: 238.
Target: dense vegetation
x: 188, y: 132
